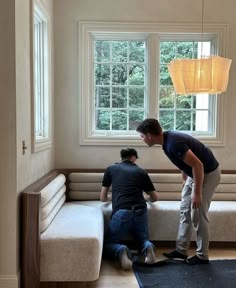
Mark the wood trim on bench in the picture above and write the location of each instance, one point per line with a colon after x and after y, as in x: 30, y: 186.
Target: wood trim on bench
x: 30, y: 231
x: 30, y: 240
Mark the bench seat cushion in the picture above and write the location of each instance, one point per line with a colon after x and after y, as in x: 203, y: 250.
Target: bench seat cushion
x: 75, y: 232
x: 163, y: 219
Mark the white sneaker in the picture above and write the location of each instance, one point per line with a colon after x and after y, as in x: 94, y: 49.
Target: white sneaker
x: 125, y: 262
x: 150, y: 256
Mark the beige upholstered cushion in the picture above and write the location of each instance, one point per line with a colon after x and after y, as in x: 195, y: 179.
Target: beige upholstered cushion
x: 48, y: 219
x: 71, y: 247
x: 85, y: 186
x: 52, y: 198
x: 46, y: 209
x: 106, y: 208
x: 51, y: 189
x: 163, y: 219
x: 84, y: 177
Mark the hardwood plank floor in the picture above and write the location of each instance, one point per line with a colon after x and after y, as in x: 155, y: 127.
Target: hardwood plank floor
x: 111, y: 276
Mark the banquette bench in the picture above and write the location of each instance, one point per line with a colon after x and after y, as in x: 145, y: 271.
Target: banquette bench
x: 63, y: 223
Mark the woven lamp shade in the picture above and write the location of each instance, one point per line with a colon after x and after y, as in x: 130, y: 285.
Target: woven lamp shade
x: 196, y: 76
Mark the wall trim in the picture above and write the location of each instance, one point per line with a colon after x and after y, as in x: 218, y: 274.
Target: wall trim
x: 9, y: 281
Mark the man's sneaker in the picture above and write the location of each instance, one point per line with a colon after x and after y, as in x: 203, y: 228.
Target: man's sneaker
x: 125, y: 262
x: 196, y: 260
x: 175, y: 255
x: 150, y: 256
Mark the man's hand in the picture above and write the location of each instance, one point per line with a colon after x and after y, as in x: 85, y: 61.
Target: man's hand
x: 196, y: 200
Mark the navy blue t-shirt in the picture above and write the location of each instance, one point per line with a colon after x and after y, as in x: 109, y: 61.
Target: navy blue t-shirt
x: 128, y: 183
x: 175, y: 146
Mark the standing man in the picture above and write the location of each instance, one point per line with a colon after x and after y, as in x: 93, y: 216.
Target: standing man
x: 201, y: 175
x: 129, y: 208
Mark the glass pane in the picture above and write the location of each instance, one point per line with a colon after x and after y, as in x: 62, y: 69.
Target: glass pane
x: 204, y: 49
x: 183, y: 101
x: 202, y: 120
x: 119, y: 51
x: 137, y: 49
x: 102, y: 120
x: 165, y: 76
x: 102, y: 74
x: 119, y: 120
x: 136, y: 97
x: 183, y: 120
x: 119, y: 74
x: 119, y: 97
x: 102, y: 51
x: 136, y: 74
x: 166, y: 97
x: 202, y: 101
x: 168, y: 51
x: 166, y: 119
x: 135, y: 117
x: 184, y: 50
x: 102, y: 97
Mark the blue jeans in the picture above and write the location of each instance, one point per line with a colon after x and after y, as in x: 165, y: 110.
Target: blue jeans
x: 121, y: 224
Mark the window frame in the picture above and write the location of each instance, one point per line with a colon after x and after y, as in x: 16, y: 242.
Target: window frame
x: 154, y: 33
x: 44, y: 139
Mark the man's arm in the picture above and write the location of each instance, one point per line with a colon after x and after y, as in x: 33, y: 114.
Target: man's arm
x: 153, y: 195
x: 103, y: 194
x: 198, y: 175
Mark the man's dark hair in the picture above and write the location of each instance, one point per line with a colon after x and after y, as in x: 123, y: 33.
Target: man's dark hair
x: 127, y: 153
x: 149, y: 125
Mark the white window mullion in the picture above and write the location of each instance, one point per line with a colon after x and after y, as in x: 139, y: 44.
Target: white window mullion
x: 153, y: 76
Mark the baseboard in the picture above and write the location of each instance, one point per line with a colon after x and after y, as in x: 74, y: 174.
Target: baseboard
x: 9, y: 281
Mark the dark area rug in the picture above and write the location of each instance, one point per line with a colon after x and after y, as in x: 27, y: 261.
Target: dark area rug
x: 178, y: 274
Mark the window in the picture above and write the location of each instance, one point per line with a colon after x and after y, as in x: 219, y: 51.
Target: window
x: 41, y: 81
x: 124, y: 79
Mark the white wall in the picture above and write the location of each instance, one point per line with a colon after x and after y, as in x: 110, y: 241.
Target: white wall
x: 8, y: 255
x: 31, y: 166
x: 67, y: 13
x: 16, y: 170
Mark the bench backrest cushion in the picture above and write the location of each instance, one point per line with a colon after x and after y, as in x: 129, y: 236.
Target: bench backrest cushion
x: 87, y: 186
x: 52, y: 198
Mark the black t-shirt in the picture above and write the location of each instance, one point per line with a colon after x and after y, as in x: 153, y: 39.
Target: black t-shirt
x: 128, y: 183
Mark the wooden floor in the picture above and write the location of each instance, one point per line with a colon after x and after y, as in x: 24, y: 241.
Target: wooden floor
x: 112, y: 276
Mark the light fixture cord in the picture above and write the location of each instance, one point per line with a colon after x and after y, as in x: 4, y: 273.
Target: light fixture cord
x: 202, y: 27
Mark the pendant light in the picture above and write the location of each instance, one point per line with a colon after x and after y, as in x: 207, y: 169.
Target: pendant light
x: 204, y: 75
